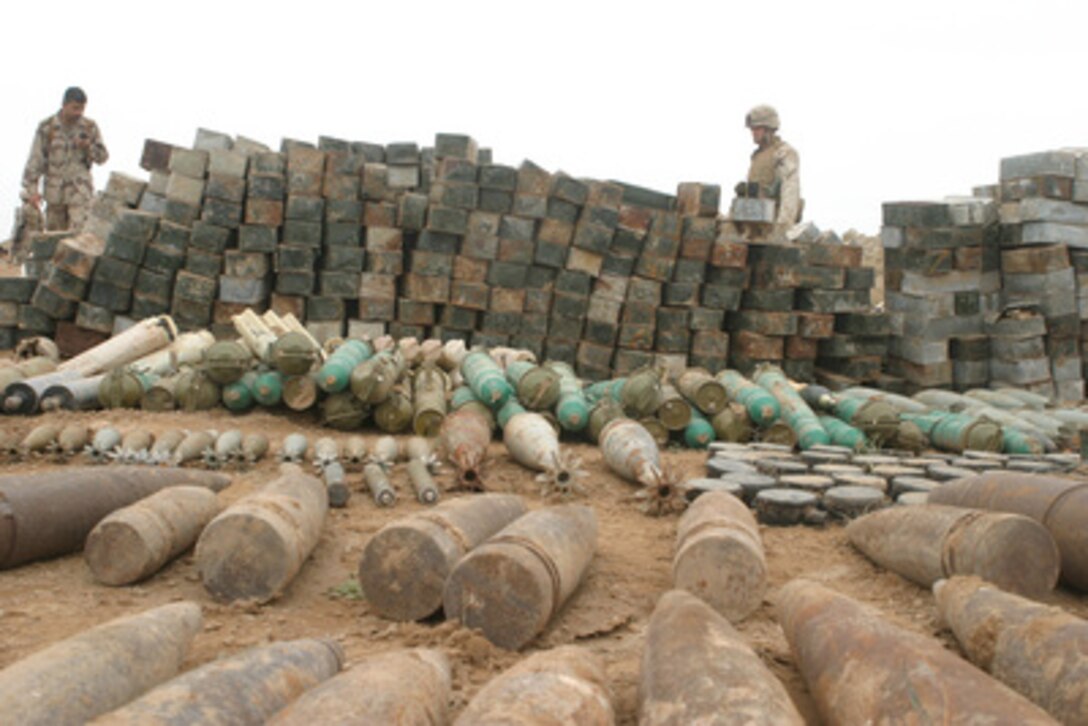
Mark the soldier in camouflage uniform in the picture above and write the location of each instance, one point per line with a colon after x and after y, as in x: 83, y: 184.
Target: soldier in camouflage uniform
x: 775, y: 166
x: 66, y: 145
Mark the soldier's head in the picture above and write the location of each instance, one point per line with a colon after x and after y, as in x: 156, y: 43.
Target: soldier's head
x: 763, y: 121
x: 71, y: 109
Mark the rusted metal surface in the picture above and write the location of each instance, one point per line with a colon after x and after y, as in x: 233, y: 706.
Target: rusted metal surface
x: 933, y: 541
x: 99, y: 669
x: 405, y: 565
x: 1039, y: 651
x: 254, y: 548
x: 463, y: 441
x: 862, y: 669
x: 46, y: 514
x: 1060, y: 505
x: 511, y: 586
x: 248, y: 687
x: 400, y: 688
x: 565, y: 685
x: 719, y: 555
x: 696, y: 668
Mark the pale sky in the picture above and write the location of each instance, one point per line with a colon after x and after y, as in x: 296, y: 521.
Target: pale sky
x: 884, y: 101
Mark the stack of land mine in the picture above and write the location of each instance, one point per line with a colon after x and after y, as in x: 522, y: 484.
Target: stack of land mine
x: 362, y: 239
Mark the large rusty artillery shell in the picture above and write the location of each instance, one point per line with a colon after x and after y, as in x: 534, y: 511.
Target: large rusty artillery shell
x: 463, y: 440
x: 406, y: 564
x: 862, y: 669
x: 78, y: 394
x: 1060, y: 505
x: 696, y: 668
x: 193, y: 446
x: 248, y: 687
x: 533, y: 443
x: 719, y: 555
x: 401, y: 688
x: 99, y: 669
x: 1039, y: 651
x: 103, y: 444
x: 511, y: 586
x: 394, y: 414
x: 255, y: 547
x: 293, y: 449
x: 40, y: 439
x: 254, y: 447
x: 429, y: 400
x: 377, y: 481
x: 336, y: 484
x: 48, y: 514
x: 630, y: 451
x: 137, y: 541
x: 927, y: 543
x: 23, y: 396
x: 565, y: 685
x: 702, y: 389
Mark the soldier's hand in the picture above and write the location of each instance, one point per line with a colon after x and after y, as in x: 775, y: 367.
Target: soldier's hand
x: 35, y: 200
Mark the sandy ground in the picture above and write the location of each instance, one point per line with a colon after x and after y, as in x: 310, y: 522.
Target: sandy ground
x: 47, y: 601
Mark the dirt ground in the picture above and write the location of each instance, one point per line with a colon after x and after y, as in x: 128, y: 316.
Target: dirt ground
x: 47, y: 601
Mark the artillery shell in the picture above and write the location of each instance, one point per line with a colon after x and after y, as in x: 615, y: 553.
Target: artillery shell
x: 293, y: 449
x: 406, y: 564
x: 248, y: 687
x: 402, y: 687
x: 326, y: 451
x: 72, y: 439
x: 417, y: 447
x: 80, y: 394
x: 41, y: 438
x: 254, y: 447
x: 862, y: 669
x: 99, y: 669
x: 565, y: 685
x: 640, y: 395
x: 193, y: 446
x: 255, y: 547
x: 385, y: 451
x: 422, y: 481
x: 486, y: 379
x: 104, y: 441
x: 228, y: 447
x: 703, y: 390
x: 336, y: 484
x: 511, y: 586
x: 162, y: 450
x: 355, y: 452
x: 429, y: 401
x: 696, y: 668
x: 378, y: 483
x: 344, y: 412
x: 630, y: 451
x: 135, y: 445
x: 394, y: 414
x: 463, y: 440
x: 673, y: 410
x: 137, y: 541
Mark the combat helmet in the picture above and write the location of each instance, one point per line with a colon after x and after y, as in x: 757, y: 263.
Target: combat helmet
x: 762, y: 115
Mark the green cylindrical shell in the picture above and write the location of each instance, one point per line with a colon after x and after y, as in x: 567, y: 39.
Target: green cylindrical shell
x: 699, y: 432
x: 429, y: 402
x: 537, y: 386
x: 605, y: 389
x: 124, y: 388
x: 1018, y: 442
x: 226, y: 361
x: 293, y: 354
x: 572, y: 408
x: 606, y: 409
x: 673, y: 410
x: 394, y: 414
x: 486, y: 380
x: 195, y: 391
x: 300, y: 392
x: 842, y: 433
x: 794, y: 410
x: 732, y: 424
x: 268, y: 388
x: 344, y: 412
x: 335, y: 375
x: 657, y: 430
x: 762, y: 407
x: 960, y: 432
x: 703, y: 390
x: 460, y: 396
x: 373, y: 379
x: 160, y: 396
x: 641, y: 393
x: 238, y: 396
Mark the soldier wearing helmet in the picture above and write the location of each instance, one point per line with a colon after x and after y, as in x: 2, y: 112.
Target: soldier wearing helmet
x: 775, y: 166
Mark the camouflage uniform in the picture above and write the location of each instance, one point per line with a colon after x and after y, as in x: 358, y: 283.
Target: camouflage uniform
x: 66, y: 168
x: 776, y: 168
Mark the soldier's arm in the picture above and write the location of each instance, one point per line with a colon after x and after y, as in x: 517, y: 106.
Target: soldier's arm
x: 35, y: 164
x: 788, y: 175
x: 97, y: 152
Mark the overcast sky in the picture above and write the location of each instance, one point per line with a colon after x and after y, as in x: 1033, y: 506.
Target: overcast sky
x: 883, y: 101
